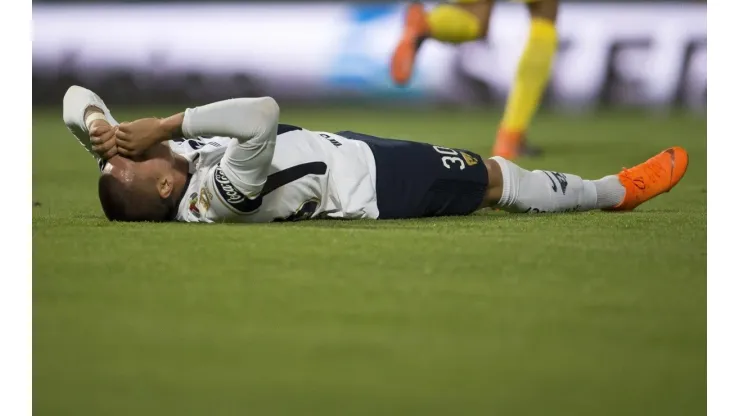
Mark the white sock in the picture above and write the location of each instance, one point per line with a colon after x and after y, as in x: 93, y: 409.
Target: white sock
x: 547, y: 191
x: 609, y: 191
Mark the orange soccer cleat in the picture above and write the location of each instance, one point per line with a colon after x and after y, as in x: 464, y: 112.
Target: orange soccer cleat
x: 657, y: 175
x: 415, y: 31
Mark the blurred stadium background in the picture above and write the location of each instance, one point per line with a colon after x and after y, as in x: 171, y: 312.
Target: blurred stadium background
x: 489, y: 315
x: 624, y: 53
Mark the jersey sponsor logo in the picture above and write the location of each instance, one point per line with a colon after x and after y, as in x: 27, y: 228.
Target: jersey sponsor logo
x: 470, y: 160
x: 233, y: 196
x: 242, y: 204
x: 193, y: 205
x: 205, y: 198
x: 199, y: 200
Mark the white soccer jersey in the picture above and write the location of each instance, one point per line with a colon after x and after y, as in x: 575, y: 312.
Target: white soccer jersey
x: 310, y: 175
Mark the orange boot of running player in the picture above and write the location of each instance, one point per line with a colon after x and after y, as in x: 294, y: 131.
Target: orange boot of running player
x: 511, y: 145
x: 508, y: 144
x: 647, y: 180
x: 415, y: 31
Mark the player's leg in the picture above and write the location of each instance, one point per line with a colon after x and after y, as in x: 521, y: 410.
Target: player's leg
x: 514, y: 189
x: 455, y: 22
x: 532, y: 75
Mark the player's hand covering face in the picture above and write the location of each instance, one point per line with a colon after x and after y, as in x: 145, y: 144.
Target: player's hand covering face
x: 103, y: 139
x: 134, y: 138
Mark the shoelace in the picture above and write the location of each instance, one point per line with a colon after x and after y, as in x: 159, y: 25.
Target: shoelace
x: 654, y: 171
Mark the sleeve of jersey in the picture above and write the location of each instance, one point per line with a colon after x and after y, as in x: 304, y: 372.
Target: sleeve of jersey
x: 76, y: 102
x: 252, y: 123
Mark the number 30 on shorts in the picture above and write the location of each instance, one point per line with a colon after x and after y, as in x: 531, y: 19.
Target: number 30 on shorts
x: 450, y: 157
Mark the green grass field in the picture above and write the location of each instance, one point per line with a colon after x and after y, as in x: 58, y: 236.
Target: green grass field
x: 492, y: 314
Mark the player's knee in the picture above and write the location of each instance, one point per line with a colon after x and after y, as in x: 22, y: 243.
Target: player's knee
x: 482, y: 11
x: 544, y: 9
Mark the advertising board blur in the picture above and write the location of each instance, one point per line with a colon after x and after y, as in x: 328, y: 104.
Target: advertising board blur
x: 624, y: 54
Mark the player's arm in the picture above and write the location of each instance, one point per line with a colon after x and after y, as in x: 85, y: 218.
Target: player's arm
x: 89, y: 119
x: 251, y: 122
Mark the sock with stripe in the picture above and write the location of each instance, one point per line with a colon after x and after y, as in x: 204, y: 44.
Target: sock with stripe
x: 548, y: 191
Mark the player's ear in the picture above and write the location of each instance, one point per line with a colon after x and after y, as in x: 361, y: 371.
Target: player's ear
x: 165, y: 186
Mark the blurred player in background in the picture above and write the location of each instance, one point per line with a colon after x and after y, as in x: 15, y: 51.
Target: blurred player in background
x: 467, y: 20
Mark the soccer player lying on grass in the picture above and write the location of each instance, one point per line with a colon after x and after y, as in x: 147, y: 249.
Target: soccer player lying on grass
x: 231, y: 161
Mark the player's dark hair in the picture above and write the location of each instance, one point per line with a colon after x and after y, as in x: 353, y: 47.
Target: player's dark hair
x: 123, y: 202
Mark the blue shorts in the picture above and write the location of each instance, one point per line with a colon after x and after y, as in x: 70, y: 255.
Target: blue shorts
x: 422, y: 180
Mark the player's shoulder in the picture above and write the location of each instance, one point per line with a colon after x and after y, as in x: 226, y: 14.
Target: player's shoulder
x: 223, y: 198
x: 211, y: 196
